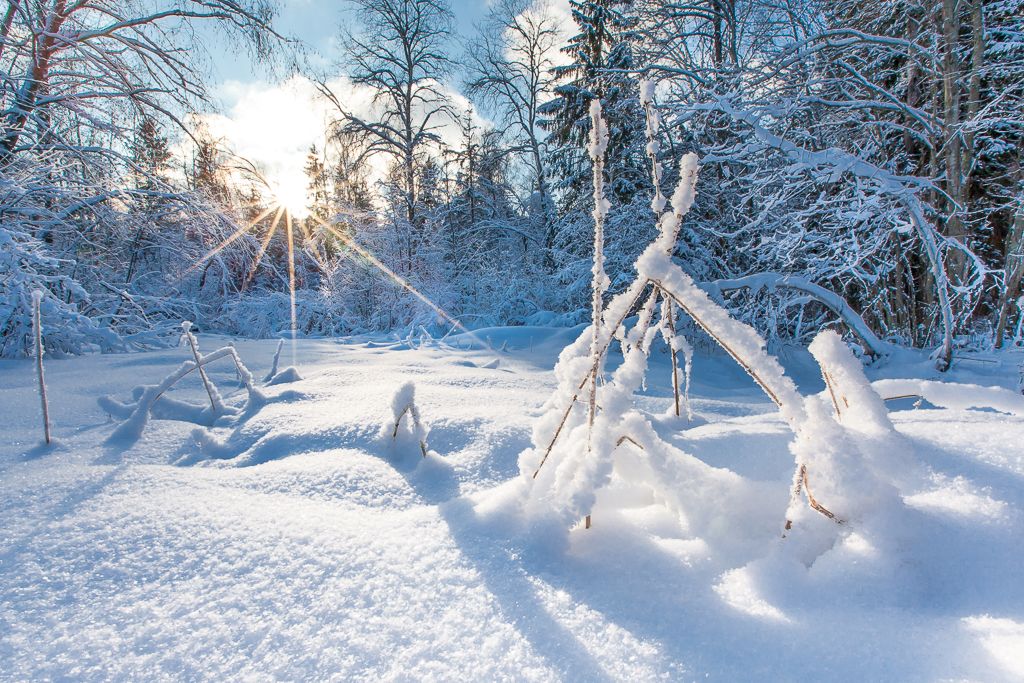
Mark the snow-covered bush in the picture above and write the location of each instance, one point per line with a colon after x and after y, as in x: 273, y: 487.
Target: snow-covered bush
x: 150, y: 400
x: 403, y: 406
x: 26, y: 267
x: 839, y: 443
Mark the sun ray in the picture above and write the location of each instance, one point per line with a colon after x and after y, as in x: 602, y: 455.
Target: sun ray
x: 311, y: 240
x: 291, y: 277
x: 227, y: 241
x: 400, y: 281
x: 263, y: 248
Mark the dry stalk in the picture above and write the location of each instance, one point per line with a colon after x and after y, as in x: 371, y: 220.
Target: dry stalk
x: 721, y: 342
x: 586, y: 379
x: 802, y: 486
x: 202, y: 373
x: 411, y: 409
x: 626, y: 437
x: 38, y: 330
x: 672, y: 353
x: 814, y: 503
x: 831, y: 384
x: 831, y: 391
x: 205, y: 361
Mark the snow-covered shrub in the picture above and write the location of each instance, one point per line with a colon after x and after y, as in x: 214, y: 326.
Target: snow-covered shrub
x: 838, y: 445
x: 26, y: 267
x: 403, y: 406
x: 149, y: 400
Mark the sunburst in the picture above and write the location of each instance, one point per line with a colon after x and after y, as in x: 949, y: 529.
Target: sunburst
x: 289, y: 203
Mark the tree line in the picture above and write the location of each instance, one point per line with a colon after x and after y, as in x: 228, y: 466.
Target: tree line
x: 871, y: 150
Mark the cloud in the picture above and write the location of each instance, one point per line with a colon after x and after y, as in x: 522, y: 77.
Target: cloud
x: 273, y: 125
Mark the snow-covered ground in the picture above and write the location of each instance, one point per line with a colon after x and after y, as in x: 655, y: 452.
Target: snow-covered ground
x: 301, y: 542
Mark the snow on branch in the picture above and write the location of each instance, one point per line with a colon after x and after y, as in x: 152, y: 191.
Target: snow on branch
x: 137, y: 414
x: 952, y: 396
x: 837, y: 304
x: 902, y: 189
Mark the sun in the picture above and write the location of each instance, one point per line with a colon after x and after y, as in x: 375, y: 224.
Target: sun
x: 287, y: 214
x: 291, y: 195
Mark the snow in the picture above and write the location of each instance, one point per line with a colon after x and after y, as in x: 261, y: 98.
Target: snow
x: 291, y: 541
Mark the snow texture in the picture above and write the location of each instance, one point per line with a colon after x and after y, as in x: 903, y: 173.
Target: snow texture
x: 290, y: 543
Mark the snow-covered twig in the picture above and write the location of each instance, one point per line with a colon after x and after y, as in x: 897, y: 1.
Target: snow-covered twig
x: 404, y: 403
x: 826, y: 297
x: 277, y: 359
x: 653, y: 124
x: 37, y: 325
x: 131, y: 429
x: 186, y: 327
x: 597, y: 148
x: 623, y: 303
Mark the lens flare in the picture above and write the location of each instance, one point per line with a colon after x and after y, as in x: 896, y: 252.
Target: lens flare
x: 400, y: 281
x: 290, y: 203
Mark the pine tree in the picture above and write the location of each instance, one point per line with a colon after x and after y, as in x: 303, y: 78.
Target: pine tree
x: 603, y: 54
x: 207, y: 173
x: 151, y: 157
x: 317, y: 190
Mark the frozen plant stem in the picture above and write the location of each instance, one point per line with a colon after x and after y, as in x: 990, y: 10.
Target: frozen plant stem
x: 415, y: 414
x: 187, y: 327
x: 587, y: 378
x: 670, y: 321
x: 598, y: 145
x: 37, y: 327
x: 277, y: 359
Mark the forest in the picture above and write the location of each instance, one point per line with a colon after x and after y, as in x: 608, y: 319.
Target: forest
x: 861, y: 166
x: 527, y: 340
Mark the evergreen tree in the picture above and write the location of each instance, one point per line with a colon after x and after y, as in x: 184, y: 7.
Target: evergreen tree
x: 151, y: 155
x: 602, y: 55
x: 317, y: 191
x: 207, y: 173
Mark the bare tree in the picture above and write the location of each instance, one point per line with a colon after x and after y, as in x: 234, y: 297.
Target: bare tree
x: 399, y: 51
x: 509, y: 67
x: 79, y: 60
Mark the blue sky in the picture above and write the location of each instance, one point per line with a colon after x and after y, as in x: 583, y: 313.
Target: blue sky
x: 316, y: 22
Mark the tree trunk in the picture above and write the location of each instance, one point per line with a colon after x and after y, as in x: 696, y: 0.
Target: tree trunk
x: 1014, y: 274
x: 951, y: 133
x: 39, y: 72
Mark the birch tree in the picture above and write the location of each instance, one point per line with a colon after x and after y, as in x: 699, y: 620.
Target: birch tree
x: 509, y: 71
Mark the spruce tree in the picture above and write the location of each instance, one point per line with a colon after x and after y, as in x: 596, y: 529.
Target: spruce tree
x: 602, y: 55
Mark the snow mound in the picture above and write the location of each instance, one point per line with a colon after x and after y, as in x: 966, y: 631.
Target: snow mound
x: 286, y: 376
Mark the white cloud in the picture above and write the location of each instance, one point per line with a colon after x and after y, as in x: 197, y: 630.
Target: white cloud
x: 274, y: 125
